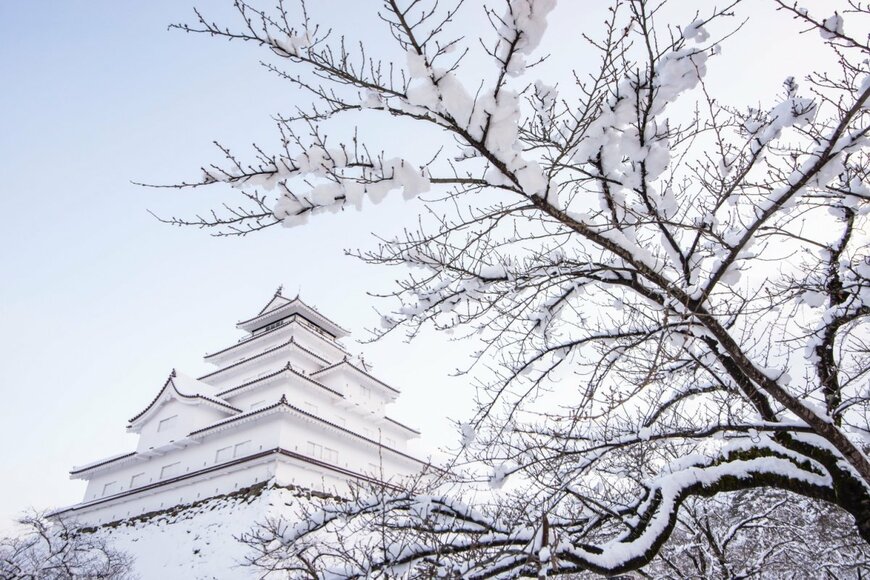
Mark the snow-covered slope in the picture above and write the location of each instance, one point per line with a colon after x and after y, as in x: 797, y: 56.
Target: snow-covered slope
x: 200, y: 541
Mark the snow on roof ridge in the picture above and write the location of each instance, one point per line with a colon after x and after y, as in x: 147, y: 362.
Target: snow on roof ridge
x: 411, y: 429
x: 290, y: 301
x: 353, y: 366
x: 274, y: 297
x: 250, y: 358
x: 286, y: 368
x: 173, y: 380
x: 100, y: 462
x: 292, y: 342
x: 190, y: 385
x: 250, y: 339
x: 284, y: 403
x: 197, y: 507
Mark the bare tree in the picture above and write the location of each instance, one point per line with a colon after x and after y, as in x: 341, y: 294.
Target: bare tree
x: 56, y: 550
x: 676, y: 290
x: 753, y: 534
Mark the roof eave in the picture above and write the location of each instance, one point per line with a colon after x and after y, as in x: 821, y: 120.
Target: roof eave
x: 79, y: 472
x: 257, y: 321
x: 136, y: 422
x: 392, y: 391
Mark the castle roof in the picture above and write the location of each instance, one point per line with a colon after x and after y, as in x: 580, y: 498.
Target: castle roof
x: 349, y: 366
x: 289, y: 343
x: 95, y: 464
x: 246, y: 340
x: 284, y: 405
x: 266, y: 454
x: 402, y: 425
x: 286, y: 370
x: 280, y: 307
x: 186, y: 389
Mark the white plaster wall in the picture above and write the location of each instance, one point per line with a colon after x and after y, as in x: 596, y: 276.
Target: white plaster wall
x: 354, y: 411
x: 288, y: 430
x: 285, y: 471
x: 327, y: 348
x: 262, y: 435
x: 369, y: 398
x: 251, y: 347
x: 185, y: 492
x: 191, y: 416
x: 297, y: 390
x: 354, y: 453
x: 247, y: 371
x: 289, y: 472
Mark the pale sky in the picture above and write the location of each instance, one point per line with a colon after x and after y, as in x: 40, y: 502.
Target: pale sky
x: 99, y: 301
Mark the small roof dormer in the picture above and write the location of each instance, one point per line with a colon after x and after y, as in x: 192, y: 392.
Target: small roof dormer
x: 185, y: 389
x: 280, y: 307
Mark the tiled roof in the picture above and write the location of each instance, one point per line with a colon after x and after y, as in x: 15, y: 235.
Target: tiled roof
x: 102, y: 462
x: 402, y: 425
x: 297, y: 301
x: 284, y: 369
x: 259, y: 455
x: 170, y: 381
x: 277, y: 296
x: 256, y: 336
x: 292, y: 341
x: 284, y: 403
x: 353, y: 366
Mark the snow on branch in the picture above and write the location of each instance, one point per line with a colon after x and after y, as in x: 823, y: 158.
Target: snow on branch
x: 441, y: 536
x: 641, y: 270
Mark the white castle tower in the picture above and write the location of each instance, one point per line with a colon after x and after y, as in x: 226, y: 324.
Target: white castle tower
x: 286, y: 403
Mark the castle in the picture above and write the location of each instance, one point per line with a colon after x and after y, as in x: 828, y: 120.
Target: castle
x: 287, y: 403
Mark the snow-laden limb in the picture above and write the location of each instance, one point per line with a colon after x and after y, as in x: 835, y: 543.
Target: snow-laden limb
x: 644, y: 271
x: 759, y: 533
x: 423, y: 534
x: 522, y: 28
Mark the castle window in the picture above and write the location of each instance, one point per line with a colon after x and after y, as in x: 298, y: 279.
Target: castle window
x: 271, y: 326
x: 111, y: 487
x: 167, y: 424
x: 318, y: 451
x: 170, y: 470
x: 315, y: 450
x: 242, y: 449
x: 223, y: 454
x: 137, y: 480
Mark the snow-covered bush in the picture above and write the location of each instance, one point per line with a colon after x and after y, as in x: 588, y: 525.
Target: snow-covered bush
x: 53, y: 549
x: 676, y: 290
x: 761, y: 534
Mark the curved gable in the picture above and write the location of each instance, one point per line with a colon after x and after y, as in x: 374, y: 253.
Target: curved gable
x: 185, y: 390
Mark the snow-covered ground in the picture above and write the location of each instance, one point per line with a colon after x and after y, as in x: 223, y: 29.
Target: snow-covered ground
x: 199, y: 541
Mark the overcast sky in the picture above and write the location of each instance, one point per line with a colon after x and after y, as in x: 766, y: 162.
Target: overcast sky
x: 99, y: 301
